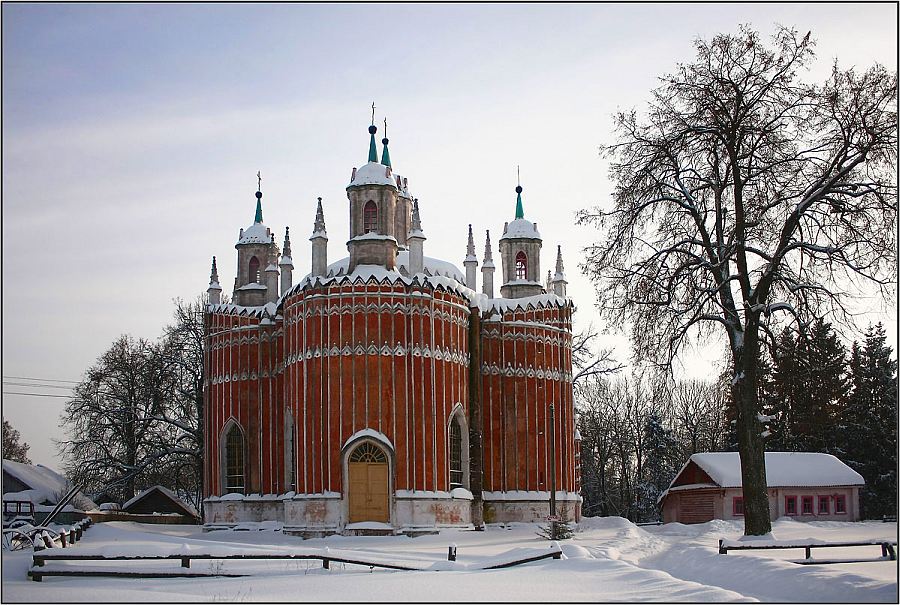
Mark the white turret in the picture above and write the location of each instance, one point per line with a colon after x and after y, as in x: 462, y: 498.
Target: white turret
x: 319, y: 239
x: 520, y: 253
x: 415, y: 239
x: 559, y: 280
x: 215, y: 290
x: 272, y: 273
x: 471, y: 263
x: 487, y: 268
x: 286, y: 264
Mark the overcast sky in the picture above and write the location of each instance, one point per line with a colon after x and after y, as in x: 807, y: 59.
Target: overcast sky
x: 132, y: 135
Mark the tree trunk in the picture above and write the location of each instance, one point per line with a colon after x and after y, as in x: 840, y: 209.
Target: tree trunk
x: 750, y: 441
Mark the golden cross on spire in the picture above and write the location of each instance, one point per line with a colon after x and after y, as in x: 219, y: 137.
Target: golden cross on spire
x: 518, y: 176
x: 259, y: 181
x: 373, y: 113
x: 385, y: 128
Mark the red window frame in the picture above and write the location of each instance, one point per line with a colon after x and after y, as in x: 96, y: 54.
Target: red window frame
x: 370, y: 217
x: 737, y: 506
x: 521, y: 265
x: 790, y: 505
x: 804, y: 500
x: 840, y: 504
x: 826, y: 510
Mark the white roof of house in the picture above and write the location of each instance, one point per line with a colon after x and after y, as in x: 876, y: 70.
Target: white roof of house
x: 44, y: 484
x: 783, y: 469
x: 373, y: 173
x: 42, y: 481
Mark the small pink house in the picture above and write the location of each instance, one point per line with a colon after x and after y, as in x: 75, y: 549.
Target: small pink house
x: 803, y: 486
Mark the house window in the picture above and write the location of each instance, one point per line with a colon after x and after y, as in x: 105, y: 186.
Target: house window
x: 253, y: 274
x: 737, y: 506
x: 806, y: 505
x: 790, y: 505
x: 456, y: 469
x: 370, y: 217
x: 840, y: 505
x: 823, y: 505
x: 234, y: 461
x: 521, y: 265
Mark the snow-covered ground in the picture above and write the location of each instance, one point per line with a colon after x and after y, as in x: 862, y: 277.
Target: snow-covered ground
x: 609, y: 559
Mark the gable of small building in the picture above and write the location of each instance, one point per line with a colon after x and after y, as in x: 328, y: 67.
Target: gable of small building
x: 158, y: 499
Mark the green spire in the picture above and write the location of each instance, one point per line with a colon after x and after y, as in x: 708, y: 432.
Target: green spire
x: 385, y: 156
x: 520, y: 213
x: 373, y: 151
x: 258, y: 218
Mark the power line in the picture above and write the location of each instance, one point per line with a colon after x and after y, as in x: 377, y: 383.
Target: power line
x: 39, y: 379
x: 33, y: 385
x: 36, y: 394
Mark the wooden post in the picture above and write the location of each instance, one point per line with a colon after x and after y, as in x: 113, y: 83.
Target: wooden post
x: 808, y: 553
x: 552, y: 473
x: 186, y: 562
x: 326, y: 564
x: 722, y: 549
x: 62, y: 538
x: 451, y: 552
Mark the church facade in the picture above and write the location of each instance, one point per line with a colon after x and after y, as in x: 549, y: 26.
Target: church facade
x: 384, y: 390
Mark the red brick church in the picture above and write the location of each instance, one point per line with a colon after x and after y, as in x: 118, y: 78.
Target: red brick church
x: 384, y: 390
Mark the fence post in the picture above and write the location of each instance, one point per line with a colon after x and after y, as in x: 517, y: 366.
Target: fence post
x: 451, y: 552
x: 62, y: 538
x: 186, y: 562
x: 722, y: 549
x: 808, y: 553
x: 326, y: 564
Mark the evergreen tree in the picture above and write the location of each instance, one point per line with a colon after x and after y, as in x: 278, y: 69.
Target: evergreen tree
x: 868, y: 423
x: 12, y: 448
x: 822, y: 361
x: 662, y: 450
x: 785, y: 381
x: 810, y: 387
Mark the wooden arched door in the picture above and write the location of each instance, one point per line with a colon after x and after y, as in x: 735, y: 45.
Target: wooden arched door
x: 369, y: 484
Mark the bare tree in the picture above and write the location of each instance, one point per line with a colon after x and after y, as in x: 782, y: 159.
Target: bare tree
x: 745, y: 198
x: 110, y: 419
x: 588, y: 360
x: 136, y: 419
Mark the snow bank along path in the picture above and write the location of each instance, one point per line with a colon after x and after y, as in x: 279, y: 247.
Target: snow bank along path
x: 609, y: 559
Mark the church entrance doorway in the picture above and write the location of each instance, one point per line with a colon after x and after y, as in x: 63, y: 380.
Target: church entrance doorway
x: 369, y: 484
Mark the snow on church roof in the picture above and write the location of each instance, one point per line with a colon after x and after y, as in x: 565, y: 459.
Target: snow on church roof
x: 373, y: 173
x: 257, y: 233
x: 521, y: 228
x: 433, y: 266
x: 783, y: 469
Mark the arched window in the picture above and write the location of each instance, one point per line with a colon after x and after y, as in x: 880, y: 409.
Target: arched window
x: 370, y: 217
x: 254, y: 271
x: 368, y: 452
x: 521, y: 265
x: 234, y: 460
x: 456, y: 464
